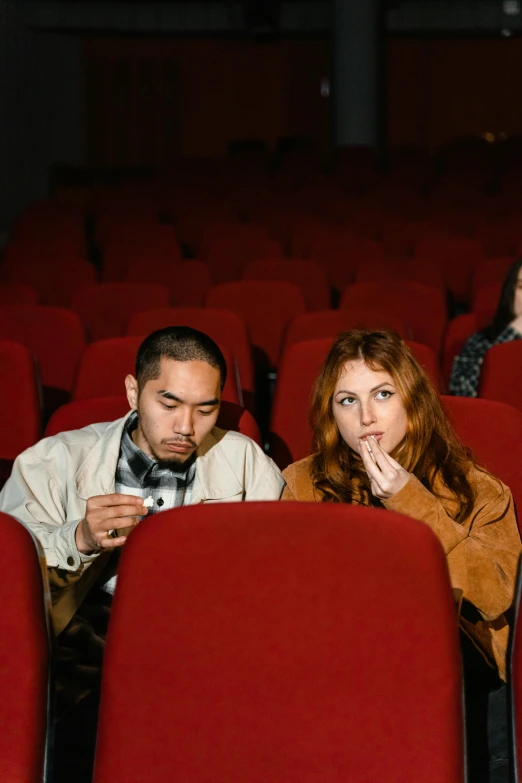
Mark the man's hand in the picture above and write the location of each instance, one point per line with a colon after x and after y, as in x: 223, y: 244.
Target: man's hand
x: 386, y: 476
x: 104, y: 513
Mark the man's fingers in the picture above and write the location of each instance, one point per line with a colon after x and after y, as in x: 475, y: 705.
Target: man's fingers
x: 116, y: 499
x: 110, y: 543
x: 115, y: 523
x: 113, y: 512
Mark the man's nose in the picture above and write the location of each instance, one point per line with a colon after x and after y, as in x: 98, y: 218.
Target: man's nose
x: 184, y: 422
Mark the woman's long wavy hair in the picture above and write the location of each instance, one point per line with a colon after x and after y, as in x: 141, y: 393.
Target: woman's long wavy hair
x: 506, y: 304
x: 430, y: 450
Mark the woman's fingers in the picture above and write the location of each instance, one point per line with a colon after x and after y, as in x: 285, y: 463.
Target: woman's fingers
x: 380, y: 450
x: 373, y: 471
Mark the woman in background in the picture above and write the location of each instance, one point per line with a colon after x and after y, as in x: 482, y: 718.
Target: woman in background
x: 506, y: 326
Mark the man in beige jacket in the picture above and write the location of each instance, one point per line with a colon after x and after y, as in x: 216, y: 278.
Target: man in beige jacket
x: 82, y: 492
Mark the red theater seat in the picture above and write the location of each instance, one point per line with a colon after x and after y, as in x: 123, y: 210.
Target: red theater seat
x: 55, y: 337
x: 308, y: 275
x: 458, y: 332
x: 106, y: 309
x: 106, y: 363
x: 188, y: 282
x: 267, y: 308
x: 17, y: 294
x: 222, y: 326
x: 487, y: 427
x: 20, y: 411
x: 258, y: 659
x: 329, y: 323
x: 56, y: 282
x: 25, y: 656
x: 458, y: 258
x: 423, y: 307
x: 501, y: 374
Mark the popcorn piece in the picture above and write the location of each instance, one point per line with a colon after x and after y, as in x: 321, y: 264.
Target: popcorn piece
x: 149, y: 502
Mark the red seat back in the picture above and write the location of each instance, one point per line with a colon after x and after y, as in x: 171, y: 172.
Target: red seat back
x: 458, y: 332
x: 81, y: 413
x: 487, y: 427
x: 501, y: 374
x: 267, y: 308
x: 188, y: 282
x: 485, y: 303
x: 308, y: 275
x: 492, y: 270
x: 55, y: 281
x: 458, y: 258
x: 328, y: 323
x: 54, y: 336
x: 245, y: 666
x: 17, y: 294
x: 24, y: 656
x: 106, y: 309
x: 106, y: 363
x: 20, y: 407
x: 223, y: 326
x: 421, y: 306
x: 403, y: 270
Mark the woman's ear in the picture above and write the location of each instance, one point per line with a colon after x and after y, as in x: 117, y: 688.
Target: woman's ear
x: 131, y: 387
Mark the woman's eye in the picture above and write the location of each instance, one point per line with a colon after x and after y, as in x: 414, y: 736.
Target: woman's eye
x: 348, y: 401
x: 383, y: 395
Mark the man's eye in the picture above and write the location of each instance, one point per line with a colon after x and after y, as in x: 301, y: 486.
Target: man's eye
x: 168, y: 407
x: 206, y: 413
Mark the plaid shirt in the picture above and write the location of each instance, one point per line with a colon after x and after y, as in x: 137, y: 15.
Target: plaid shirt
x: 139, y: 474
x: 168, y: 487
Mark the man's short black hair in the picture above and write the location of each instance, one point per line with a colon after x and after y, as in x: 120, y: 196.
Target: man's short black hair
x: 181, y: 344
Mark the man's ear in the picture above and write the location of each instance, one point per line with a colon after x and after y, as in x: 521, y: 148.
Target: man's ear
x: 131, y: 387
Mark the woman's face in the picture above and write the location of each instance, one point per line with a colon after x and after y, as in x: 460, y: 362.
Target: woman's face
x: 367, y: 402
x: 517, y: 302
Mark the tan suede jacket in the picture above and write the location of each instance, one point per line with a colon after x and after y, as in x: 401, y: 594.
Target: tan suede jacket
x: 482, y: 551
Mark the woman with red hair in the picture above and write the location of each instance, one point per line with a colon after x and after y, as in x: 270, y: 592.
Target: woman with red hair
x: 382, y: 439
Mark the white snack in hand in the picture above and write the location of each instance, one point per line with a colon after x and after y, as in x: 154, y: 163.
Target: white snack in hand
x: 149, y: 502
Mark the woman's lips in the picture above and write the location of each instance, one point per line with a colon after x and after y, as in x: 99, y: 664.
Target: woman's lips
x: 376, y: 435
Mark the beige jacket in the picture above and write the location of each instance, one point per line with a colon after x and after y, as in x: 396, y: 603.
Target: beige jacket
x: 482, y: 551
x: 51, y: 482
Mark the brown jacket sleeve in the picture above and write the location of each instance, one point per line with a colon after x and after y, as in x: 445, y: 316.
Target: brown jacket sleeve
x: 483, y: 550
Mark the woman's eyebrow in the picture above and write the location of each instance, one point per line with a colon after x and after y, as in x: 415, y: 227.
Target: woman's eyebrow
x: 384, y: 383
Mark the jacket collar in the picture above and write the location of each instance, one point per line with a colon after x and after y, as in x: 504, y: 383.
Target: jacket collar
x: 215, y: 478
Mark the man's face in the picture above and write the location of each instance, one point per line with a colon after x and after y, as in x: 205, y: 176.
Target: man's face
x: 176, y: 411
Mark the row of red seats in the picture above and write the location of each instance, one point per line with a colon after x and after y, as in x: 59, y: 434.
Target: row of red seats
x: 105, y: 364
x: 326, y: 698
x: 337, y: 261
x: 280, y: 669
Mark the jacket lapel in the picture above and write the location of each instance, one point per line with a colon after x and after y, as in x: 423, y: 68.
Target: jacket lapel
x: 215, y: 480
x: 96, y: 474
